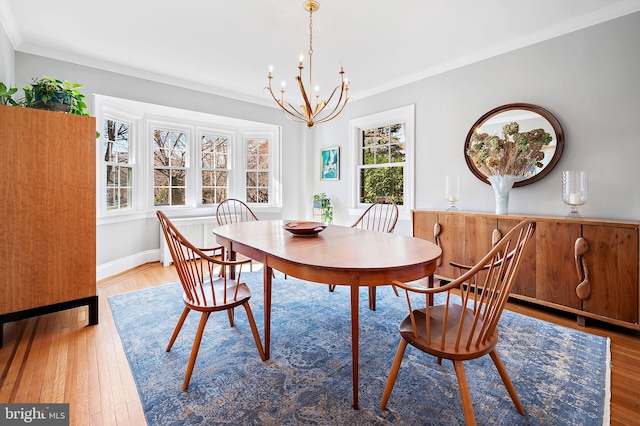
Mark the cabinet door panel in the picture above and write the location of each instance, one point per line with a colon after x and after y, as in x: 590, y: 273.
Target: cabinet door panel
x: 47, y: 208
x: 556, y: 273
x: 525, y: 283
x: 423, y: 223
x: 452, y: 242
x: 477, y: 241
x: 612, y: 260
x: 478, y: 231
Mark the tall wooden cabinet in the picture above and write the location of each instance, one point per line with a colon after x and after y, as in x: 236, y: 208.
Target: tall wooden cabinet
x: 583, y: 266
x: 47, y: 213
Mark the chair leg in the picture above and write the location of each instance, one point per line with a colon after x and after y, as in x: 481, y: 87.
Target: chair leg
x: 254, y: 331
x: 393, y: 373
x: 465, y: 395
x: 332, y: 287
x: 372, y: 298
x: 231, y: 316
x: 195, y: 349
x: 176, y: 331
x: 507, y: 381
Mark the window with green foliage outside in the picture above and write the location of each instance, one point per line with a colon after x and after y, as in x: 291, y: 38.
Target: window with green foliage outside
x: 383, y: 158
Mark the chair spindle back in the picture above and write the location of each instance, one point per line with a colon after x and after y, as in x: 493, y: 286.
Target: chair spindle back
x: 381, y: 216
x: 196, y: 269
x: 232, y: 210
x: 484, y: 300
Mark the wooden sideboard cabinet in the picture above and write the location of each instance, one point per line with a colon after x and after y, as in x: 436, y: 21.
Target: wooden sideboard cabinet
x: 584, y: 266
x: 47, y: 213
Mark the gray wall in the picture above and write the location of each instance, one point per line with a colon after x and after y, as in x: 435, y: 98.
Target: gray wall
x: 588, y: 79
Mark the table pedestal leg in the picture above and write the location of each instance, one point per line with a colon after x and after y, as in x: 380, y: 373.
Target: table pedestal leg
x: 355, y: 294
x: 268, y: 275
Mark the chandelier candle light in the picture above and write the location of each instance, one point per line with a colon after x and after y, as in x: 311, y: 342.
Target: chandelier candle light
x: 306, y: 114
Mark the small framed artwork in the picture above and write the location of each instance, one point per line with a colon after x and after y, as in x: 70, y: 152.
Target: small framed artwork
x: 330, y: 167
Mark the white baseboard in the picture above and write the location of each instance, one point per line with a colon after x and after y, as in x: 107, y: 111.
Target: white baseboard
x: 115, y: 267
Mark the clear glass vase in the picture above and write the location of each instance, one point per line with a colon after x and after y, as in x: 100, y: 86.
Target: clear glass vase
x: 452, y: 191
x: 575, y: 190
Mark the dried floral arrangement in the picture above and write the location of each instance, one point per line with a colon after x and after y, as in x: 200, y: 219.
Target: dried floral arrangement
x: 515, y: 154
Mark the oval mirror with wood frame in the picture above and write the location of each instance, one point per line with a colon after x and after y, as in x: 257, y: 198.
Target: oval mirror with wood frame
x: 529, y: 118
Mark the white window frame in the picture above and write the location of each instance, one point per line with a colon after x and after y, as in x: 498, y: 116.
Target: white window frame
x: 231, y: 159
x: 151, y: 125
x: 132, y: 120
x: 142, y: 118
x: 405, y: 115
x: 275, y: 183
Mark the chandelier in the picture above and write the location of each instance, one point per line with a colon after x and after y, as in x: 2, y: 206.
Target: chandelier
x: 322, y: 111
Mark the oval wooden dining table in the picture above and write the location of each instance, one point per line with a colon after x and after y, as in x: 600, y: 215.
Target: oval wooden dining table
x: 338, y: 255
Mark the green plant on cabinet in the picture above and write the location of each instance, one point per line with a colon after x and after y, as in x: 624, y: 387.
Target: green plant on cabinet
x: 6, y: 95
x: 58, y: 95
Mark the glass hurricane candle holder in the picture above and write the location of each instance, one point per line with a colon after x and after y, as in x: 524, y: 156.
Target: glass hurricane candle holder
x: 575, y: 190
x: 452, y: 191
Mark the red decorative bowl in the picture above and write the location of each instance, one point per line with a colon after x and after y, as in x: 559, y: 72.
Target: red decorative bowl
x: 304, y: 229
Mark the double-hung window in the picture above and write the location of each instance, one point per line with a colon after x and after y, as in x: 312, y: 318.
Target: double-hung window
x: 382, y: 147
x: 381, y: 172
x: 118, y: 165
x: 169, y: 167
x: 215, y: 162
x: 257, y: 170
x: 182, y: 159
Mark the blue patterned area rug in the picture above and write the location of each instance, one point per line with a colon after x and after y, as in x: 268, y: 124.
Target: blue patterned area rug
x: 561, y: 375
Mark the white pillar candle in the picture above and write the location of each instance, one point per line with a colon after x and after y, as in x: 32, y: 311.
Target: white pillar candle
x: 575, y: 198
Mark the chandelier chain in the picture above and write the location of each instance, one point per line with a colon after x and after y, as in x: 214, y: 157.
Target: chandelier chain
x: 311, y: 33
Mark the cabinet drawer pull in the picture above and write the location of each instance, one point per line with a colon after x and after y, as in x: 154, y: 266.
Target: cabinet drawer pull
x: 583, y: 289
x: 496, y: 236
x: 437, y: 228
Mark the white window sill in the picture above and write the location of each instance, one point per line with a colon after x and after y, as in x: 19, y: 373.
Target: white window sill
x: 172, y: 212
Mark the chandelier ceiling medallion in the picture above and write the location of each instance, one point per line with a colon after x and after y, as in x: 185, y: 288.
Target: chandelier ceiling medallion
x: 322, y: 111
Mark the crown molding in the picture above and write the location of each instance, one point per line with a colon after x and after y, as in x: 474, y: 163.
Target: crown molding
x: 139, y: 73
x: 612, y: 12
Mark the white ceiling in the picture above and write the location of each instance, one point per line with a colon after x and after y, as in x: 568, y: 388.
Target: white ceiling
x: 226, y: 46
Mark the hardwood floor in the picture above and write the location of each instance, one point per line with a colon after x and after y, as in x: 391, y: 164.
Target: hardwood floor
x: 57, y: 358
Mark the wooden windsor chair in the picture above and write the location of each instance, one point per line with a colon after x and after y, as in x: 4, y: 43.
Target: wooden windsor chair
x: 206, y: 288
x: 233, y: 210
x: 465, y: 329
x: 381, y: 216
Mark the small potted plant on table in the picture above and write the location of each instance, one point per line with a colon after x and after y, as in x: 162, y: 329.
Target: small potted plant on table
x: 322, y: 202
